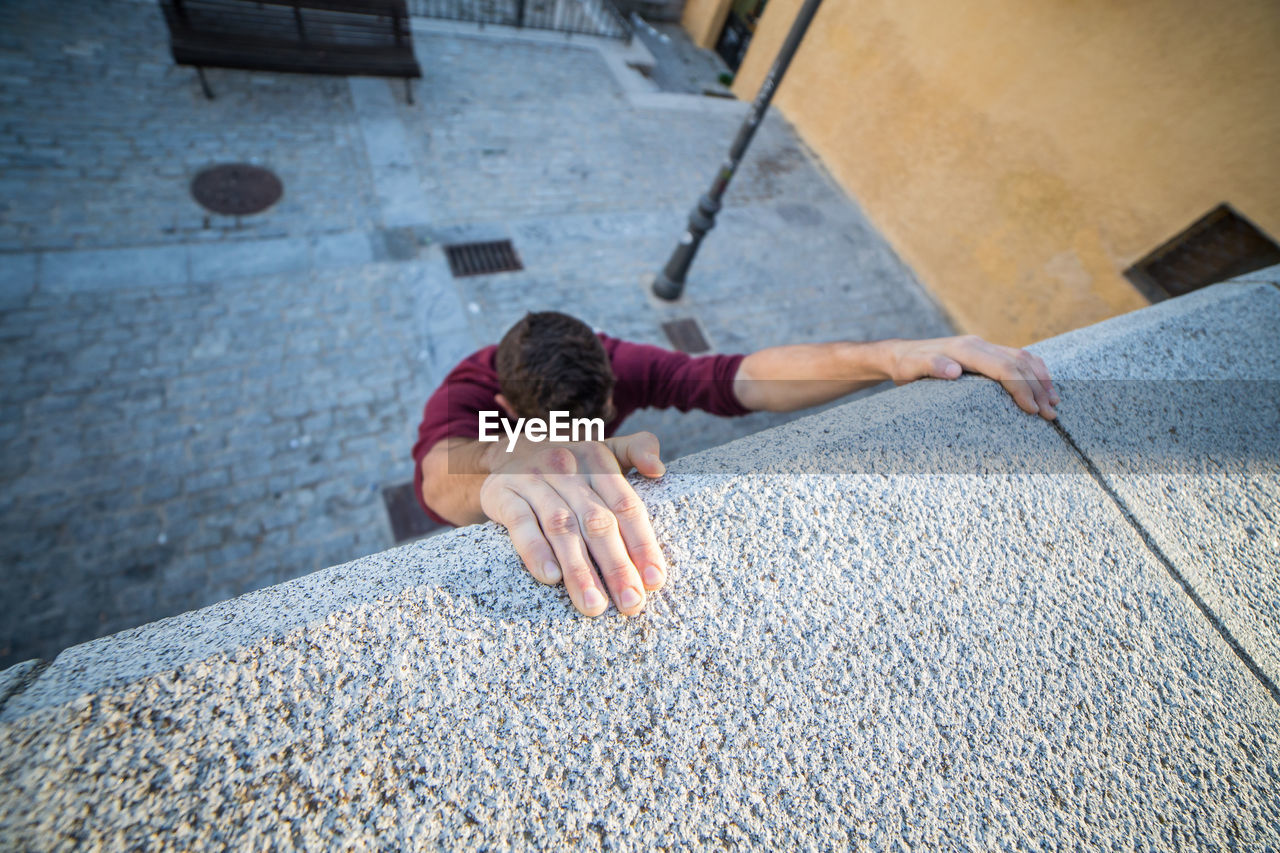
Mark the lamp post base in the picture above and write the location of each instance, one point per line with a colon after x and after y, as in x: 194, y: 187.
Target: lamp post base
x: 670, y: 283
x: 665, y: 288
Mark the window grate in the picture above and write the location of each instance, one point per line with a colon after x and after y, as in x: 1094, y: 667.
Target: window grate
x: 482, y: 258
x: 686, y: 336
x: 408, y: 521
x: 1220, y: 245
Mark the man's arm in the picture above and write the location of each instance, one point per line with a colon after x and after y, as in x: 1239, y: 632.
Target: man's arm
x: 787, y: 378
x: 564, y: 506
x: 453, y: 472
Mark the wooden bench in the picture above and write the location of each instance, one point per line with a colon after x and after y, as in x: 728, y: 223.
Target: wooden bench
x: 352, y: 37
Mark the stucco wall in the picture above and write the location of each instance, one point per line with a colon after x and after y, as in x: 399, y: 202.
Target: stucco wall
x: 1021, y: 157
x: 703, y: 20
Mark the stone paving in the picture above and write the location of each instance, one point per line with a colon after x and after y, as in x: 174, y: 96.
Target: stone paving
x: 679, y: 65
x: 102, y: 134
x: 195, y: 407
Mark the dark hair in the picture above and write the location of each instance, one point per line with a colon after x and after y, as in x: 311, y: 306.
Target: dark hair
x: 553, y: 362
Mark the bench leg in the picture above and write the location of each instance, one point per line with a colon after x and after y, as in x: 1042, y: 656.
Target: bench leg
x: 204, y: 84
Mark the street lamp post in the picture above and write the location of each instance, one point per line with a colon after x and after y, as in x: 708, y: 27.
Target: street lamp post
x: 670, y: 282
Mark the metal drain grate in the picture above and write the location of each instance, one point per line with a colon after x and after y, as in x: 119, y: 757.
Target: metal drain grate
x: 408, y: 521
x: 482, y: 258
x: 686, y: 336
x: 1220, y: 245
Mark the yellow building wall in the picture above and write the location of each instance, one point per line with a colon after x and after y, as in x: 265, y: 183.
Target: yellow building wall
x: 704, y: 19
x: 1019, y: 156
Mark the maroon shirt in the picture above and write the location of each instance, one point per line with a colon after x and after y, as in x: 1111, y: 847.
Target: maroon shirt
x: 647, y: 377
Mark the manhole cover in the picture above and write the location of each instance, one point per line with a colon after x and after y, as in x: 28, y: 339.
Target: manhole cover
x: 236, y: 189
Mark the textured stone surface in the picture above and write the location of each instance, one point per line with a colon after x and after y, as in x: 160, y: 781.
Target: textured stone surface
x: 196, y: 406
x: 17, y: 678
x: 101, y: 135
x: 917, y: 620
x: 1179, y: 408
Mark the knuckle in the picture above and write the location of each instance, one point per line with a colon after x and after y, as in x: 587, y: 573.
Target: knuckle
x: 519, y: 518
x: 579, y: 575
x: 598, y: 521
x: 530, y: 550
x: 650, y: 555
x: 601, y: 458
x: 561, y: 522
x: 559, y: 460
x: 628, y: 507
x: 618, y: 571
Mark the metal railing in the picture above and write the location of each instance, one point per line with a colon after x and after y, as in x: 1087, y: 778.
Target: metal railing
x: 584, y: 17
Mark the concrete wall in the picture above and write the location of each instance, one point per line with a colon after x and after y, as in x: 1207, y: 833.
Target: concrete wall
x: 923, y: 620
x: 1020, y: 157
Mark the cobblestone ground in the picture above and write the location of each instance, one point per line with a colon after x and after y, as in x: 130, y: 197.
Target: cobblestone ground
x: 194, y: 407
x: 680, y: 66
x: 102, y: 133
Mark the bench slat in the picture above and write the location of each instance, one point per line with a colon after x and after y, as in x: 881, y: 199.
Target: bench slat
x: 369, y: 37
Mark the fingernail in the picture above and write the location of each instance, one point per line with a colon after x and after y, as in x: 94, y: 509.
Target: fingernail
x: 551, y: 572
x: 591, y: 599
x: 652, y: 576
x: 628, y: 598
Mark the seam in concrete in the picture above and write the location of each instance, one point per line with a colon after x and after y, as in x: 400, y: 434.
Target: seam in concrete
x: 688, y: 103
x: 388, y: 152
x: 81, y: 270
x: 25, y: 680
x: 1159, y: 554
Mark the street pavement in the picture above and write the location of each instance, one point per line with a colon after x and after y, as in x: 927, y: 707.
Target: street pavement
x: 196, y: 406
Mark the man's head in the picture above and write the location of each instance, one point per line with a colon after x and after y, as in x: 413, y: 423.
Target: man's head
x: 553, y: 362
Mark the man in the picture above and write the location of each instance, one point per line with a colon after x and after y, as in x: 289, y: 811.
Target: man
x: 567, y: 505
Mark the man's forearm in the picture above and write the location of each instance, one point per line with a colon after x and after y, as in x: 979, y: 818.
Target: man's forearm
x: 453, y: 472
x: 787, y: 378
x: 783, y: 379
